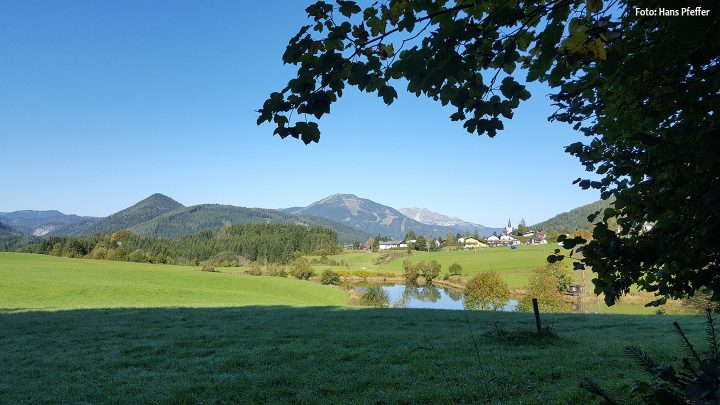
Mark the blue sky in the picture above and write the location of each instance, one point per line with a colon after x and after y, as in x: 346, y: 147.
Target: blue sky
x: 105, y: 103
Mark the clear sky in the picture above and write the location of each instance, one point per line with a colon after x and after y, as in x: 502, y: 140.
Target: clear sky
x: 104, y: 103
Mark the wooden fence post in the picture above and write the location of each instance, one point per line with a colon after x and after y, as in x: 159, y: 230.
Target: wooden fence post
x: 537, y: 315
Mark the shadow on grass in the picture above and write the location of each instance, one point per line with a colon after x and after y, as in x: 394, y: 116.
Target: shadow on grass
x: 310, y: 354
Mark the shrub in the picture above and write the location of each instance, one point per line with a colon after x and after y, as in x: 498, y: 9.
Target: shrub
x: 375, y: 296
x: 362, y: 274
x: 276, y: 270
x: 543, y: 285
x: 410, y: 272
x: 562, y: 270
x: 300, y: 268
x: 209, y: 268
x: 329, y: 277
x: 430, y: 270
x: 455, y: 269
x: 486, y: 291
x: 254, y: 269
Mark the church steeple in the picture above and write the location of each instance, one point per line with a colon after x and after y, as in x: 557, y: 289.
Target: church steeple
x: 508, y: 228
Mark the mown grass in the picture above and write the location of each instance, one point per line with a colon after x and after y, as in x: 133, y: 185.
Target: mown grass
x: 281, y: 354
x: 47, y: 282
x: 239, y: 346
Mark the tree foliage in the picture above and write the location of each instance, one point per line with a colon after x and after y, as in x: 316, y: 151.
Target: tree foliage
x: 251, y: 242
x: 486, y: 291
x: 543, y: 285
x: 644, y: 90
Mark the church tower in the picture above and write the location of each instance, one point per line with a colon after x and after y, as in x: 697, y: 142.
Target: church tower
x: 508, y: 228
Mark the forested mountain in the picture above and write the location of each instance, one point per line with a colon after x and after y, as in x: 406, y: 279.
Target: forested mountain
x: 191, y: 220
x: 145, y: 210
x: 6, y: 229
x: 40, y: 223
x: 572, y: 220
x: 375, y: 218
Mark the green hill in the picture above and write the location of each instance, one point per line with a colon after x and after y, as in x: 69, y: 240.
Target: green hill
x: 205, y: 217
x: 145, y: 210
x: 574, y: 219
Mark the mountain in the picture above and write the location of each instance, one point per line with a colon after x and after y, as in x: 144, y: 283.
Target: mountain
x: 145, y: 210
x: 574, y: 219
x: 375, y: 218
x: 205, y: 217
x: 428, y: 217
x: 40, y: 223
x: 6, y: 229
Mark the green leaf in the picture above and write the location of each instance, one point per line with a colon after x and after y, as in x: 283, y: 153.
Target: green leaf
x: 388, y: 94
x: 593, y: 6
x: 348, y: 8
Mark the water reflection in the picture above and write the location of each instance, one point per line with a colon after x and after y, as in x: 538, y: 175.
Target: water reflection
x: 429, y: 296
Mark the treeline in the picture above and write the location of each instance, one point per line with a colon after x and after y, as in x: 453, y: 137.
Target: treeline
x: 231, y: 245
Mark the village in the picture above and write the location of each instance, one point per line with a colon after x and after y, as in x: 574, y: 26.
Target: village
x: 511, y: 237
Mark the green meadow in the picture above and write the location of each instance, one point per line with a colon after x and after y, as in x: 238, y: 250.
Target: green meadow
x: 30, y: 281
x: 513, y: 265
x: 84, y: 331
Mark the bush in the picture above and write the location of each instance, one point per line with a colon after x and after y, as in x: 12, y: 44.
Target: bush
x: 486, y: 291
x: 410, y: 272
x: 430, y: 270
x: 362, y: 274
x: 375, y: 296
x: 300, y: 268
x: 276, y: 270
x: 455, y: 269
x: 562, y: 270
x: 329, y: 277
x: 543, y: 285
x: 208, y: 268
x: 254, y: 269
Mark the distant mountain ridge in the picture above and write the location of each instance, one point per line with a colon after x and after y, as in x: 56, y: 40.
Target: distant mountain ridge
x: 41, y: 223
x: 374, y: 218
x: 161, y: 216
x: 428, y: 217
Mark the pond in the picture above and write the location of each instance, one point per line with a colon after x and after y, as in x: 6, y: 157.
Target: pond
x: 428, y: 296
x: 438, y: 297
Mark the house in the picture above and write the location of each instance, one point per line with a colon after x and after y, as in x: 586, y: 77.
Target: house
x: 391, y: 244
x: 508, y: 240
x: 537, y: 241
x: 472, y: 243
x: 503, y: 240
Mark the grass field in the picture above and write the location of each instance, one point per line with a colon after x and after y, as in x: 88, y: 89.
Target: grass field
x: 84, y: 331
x: 48, y: 282
x: 514, y: 265
x: 283, y: 354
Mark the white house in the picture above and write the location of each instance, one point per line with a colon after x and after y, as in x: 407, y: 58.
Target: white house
x: 391, y: 244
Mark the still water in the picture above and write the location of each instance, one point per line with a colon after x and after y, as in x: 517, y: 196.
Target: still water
x: 432, y: 297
